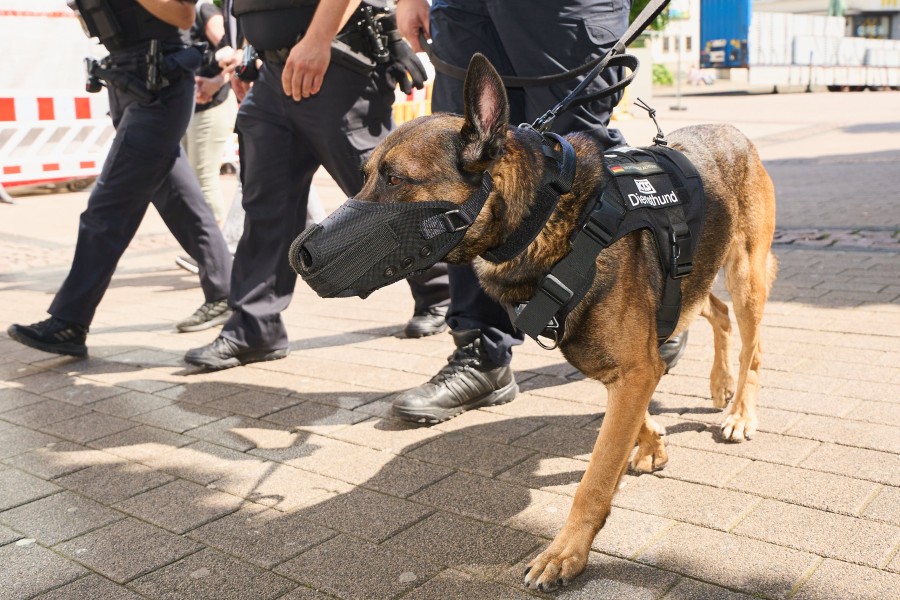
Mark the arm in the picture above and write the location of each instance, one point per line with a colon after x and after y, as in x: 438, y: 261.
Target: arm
x: 412, y: 17
x: 309, y: 58
x: 215, y: 29
x: 179, y: 13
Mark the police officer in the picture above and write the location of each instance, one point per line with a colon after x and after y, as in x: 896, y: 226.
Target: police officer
x: 149, y: 75
x: 527, y: 38
x: 308, y: 108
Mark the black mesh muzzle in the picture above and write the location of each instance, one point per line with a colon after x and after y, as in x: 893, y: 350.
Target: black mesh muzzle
x: 363, y: 246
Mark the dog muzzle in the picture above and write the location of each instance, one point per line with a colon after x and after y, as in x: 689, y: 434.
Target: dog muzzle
x: 364, y: 246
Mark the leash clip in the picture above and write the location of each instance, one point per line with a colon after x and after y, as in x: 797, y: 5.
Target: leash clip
x: 660, y: 138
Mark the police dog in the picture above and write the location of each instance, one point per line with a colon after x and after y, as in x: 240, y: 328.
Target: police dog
x: 611, y: 334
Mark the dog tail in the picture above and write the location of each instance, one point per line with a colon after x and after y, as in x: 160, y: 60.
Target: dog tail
x: 771, y: 271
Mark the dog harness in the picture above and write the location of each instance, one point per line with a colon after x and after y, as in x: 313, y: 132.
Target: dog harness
x: 655, y: 188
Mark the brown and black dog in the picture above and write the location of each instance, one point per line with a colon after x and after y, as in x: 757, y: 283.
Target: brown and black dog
x: 611, y: 334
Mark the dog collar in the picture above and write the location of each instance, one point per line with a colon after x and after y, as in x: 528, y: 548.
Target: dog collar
x: 559, y: 174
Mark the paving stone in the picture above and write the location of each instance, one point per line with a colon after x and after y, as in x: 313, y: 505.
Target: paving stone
x: 44, y: 382
x: 388, y: 435
x: 700, y: 466
x: 180, y: 418
x: 202, y: 462
x: 834, y: 579
x: 114, y: 481
x: 12, y: 370
x: 571, y: 442
x: 93, y: 587
x: 877, y: 466
x: 82, y: 392
x: 18, y: 488
x: 253, y: 403
x: 476, y: 496
x: 59, y: 517
x: 7, y: 536
x: 305, y: 593
x: 827, y: 534
x: 691, y: 589
x: 368, y: 515
x: 868, y: 390
x: 814, y: 489
x: 14, y: 399
x: 547, y: 472
x: 127, y: 549
x: 39, y: 414
x: 31, y: 569
x: 180, y: 506
x: 243, y: 433
x: 498, y: 428
x: 466, y: 544
x: 472, y: 454
x: 849, y: 433
x: 877, y: 412
x: 735, y: 562
x: 89, y: 427
x: 281, y: 486
x: 141, y: 443
x: 561, y: 413
x: 130, y: 404
x: 357, y: 570
x: 199, y: 393
x: 684, y: 501
x: 885, y: 507
x: 316, y: 418
x: 56, y: 460
x: 212, y: 575
x: 263, y: 536
x: 452, y: 585
x: 768, y: 447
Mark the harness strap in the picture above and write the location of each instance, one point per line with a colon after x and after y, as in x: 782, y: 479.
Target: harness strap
x: 559, y: 175
x: 461, y: 217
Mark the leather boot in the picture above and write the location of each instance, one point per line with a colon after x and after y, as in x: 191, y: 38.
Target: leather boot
x: 468, y: 380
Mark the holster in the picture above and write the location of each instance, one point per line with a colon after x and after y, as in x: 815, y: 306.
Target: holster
x: 343, y: 55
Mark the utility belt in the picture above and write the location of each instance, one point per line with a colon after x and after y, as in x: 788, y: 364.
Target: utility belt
x: 361, y: 46
x: 143, y: 70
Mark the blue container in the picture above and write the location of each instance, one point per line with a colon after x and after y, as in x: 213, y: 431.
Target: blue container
x: 724, y: 29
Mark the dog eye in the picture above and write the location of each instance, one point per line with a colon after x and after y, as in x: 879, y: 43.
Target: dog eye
x: 393, y: 180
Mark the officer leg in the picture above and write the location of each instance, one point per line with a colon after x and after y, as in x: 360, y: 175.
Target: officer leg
x: 278, y: 171
x: 182, y: 206
x: 482, y: 332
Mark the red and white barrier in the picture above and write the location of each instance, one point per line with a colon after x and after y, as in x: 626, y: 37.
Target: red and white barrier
x: 51, y: 137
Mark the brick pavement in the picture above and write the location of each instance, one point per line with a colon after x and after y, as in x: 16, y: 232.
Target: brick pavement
x: 129, y: 475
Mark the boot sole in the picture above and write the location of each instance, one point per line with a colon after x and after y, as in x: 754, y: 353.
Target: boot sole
x: 439, y: 415
x: 217, y: 364
x: 206, y: 324
x: 420, y: 332
x: 78, y: 350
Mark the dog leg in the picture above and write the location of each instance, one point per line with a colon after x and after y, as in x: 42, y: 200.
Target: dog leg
x: 567, y: 555
x: 747, y: 280
x: 721, y: 382
x: 651, y: 452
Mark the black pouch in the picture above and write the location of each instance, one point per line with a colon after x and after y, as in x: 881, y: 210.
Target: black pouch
x: 345, y: 56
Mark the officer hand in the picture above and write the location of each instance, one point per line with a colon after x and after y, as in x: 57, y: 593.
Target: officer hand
x: 240, y: 88
x: 412, y: 17
x: 305, y: 67
x: 405, y: 70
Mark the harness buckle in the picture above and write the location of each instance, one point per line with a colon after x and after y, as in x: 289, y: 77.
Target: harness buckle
x: 448, y: 222
x: 680, y: 237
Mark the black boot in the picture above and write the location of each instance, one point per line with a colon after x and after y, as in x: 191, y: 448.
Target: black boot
x: 426, y: 322
x: 672, y: 350
x: 52, y: 335
x: 468, y: 380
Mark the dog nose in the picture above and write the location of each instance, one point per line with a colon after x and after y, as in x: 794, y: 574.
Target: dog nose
x: 300, y: 257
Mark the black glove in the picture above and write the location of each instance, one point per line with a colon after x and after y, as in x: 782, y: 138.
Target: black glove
x: 404, y: 69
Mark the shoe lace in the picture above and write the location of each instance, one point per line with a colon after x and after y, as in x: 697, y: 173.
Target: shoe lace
x: 53, y: 325
x: 462, y: 359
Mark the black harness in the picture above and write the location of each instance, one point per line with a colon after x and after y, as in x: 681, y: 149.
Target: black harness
x: 655, y: 188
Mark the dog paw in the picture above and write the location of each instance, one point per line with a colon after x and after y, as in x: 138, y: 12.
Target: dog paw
x: 722, y: 389
x: 552, y: 569
x: 648, y: 459
x: 738, y: 428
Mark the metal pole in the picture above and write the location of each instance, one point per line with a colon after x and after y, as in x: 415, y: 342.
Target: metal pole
x: 678, y: 105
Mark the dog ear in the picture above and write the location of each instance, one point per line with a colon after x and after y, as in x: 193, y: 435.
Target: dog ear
x: 487, y: 114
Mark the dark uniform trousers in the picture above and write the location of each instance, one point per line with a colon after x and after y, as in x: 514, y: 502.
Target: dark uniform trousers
x: 283, y: 143
x: 144, y: 165
x: 526, y: 38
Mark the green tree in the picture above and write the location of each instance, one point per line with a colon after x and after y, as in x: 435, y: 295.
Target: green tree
x: 658, y: 24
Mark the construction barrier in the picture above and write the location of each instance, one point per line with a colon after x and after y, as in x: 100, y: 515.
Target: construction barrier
x: 52, y: 137
x: 411, y: 106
